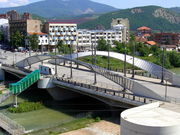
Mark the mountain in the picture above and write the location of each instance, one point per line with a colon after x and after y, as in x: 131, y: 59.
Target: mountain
x: 175, y: 9
x: 50, y: 8
x: 154, y: 17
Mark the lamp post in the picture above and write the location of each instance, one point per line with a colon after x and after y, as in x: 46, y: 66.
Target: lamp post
x: 125, y: 63
x: 133, y: 61
x: 41, y: 48
x: 95, y: 81
x: 71, y: 61
x: 77, y: 55
x: 92, y: 49
x: 166, y: 88
x: 162, y: 77
x: 108, y: 54
x: 56, y: 54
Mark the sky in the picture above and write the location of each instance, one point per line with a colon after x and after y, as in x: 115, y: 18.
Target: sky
x: 120, y: 4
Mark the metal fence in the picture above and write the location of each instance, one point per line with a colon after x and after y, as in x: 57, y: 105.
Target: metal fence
x: 12, y: 127
x: 4, y: 97
x: 108, y: 91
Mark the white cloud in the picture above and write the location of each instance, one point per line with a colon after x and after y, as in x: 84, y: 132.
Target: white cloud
x: 13, y: 3
x: 3, y: 1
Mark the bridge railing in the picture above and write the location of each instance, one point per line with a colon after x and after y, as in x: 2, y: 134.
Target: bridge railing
x: 12, y: 126
x: 17, y: 68
x: 101, y: 84
x: 4, y: 97
x: 108, y: 91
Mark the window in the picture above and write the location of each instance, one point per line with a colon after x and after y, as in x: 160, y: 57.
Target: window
x: 42, y: 41
x: 46, y: 41
x: 41, y: 36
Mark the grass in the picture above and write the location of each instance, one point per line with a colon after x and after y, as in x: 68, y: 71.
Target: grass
x: 102, y: 61
x: 26, y: 107
x: 0, y: 92
x: 70, y: 126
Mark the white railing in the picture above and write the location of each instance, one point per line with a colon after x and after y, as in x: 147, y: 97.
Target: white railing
x: 4, y: 97
x: 12, y: 127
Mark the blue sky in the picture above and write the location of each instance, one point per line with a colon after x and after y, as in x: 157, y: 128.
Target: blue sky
x: 121, y: 4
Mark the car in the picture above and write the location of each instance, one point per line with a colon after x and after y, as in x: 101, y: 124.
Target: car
x: 46, y: 53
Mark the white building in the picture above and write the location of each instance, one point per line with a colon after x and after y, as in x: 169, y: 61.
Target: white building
x: 88, y: 37
x: 43, y: 40
x: 65, y: 31
x: 4, y: 27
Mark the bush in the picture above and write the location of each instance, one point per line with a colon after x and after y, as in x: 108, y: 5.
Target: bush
x: 26, y: 107
x: 0, y: 92
x: 97, y: 119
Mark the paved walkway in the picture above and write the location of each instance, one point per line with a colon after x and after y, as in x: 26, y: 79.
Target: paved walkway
x: 82, y: 74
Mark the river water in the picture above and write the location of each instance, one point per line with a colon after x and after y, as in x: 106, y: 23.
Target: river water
x: 56, y: 113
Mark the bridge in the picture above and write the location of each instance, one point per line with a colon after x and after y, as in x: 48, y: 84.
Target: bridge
x: 138, y: 94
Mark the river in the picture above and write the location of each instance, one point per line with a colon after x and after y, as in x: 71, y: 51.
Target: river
x: 56, y: 113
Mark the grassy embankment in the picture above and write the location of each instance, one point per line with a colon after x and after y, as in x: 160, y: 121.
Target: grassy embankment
x: 102, y: 61
x: 70, y: 126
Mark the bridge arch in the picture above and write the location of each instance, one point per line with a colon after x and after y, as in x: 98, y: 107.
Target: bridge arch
x: 123, y: 81
x: 140, y: 63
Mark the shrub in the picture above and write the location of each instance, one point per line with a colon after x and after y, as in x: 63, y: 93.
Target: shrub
x: 26, y: 107
x: 97, y: 119
x: 0, y: 92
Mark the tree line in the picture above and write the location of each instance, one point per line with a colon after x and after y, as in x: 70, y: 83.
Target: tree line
x: 171, y: 58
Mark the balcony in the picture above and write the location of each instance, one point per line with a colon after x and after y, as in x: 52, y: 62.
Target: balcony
x: 66, y: 38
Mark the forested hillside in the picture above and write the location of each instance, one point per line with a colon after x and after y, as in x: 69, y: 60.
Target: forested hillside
x: 154, y: 17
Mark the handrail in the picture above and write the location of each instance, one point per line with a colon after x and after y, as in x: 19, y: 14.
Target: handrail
x: 12, y: 126
x: 4, y: 97
x: 108, y: 91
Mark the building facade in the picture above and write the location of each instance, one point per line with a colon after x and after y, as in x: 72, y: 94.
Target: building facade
x: 88, y: 37
x: 43, y: 40
x: 26, y: 16
x: 30, y: 25
x: 4, y: 27
x: 66, y: 31
x: 3, y: 16
x: 121, y: 24
x: 13, y: 15
x: 166, y: 38
x: 143, y: 31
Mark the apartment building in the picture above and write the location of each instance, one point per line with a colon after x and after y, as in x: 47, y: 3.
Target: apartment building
x: 66, y: 31
x: 83, y: 39
x: 43, y: 40
x: 143, y: 31
x: 4, y: 27
x: 121, y: 24
x: 88, y: 37
x: 26, y: 16
x: 166, y: 38
x: 13, y: 15
x: 30, y: 25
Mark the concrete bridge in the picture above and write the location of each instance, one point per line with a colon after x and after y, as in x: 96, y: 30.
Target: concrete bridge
x: 129, y: 94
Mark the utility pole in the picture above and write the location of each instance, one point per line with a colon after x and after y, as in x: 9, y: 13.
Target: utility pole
x: 71, y: 61
x: 125, y: 63
x: 77, y: 55
x: 95, y: 81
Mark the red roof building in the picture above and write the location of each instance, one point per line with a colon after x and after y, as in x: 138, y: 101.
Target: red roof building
x: 143, y: 30
x: 150, y: 43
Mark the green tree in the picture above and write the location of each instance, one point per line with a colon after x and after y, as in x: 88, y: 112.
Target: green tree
x: 155, y: 50
x: 167, y: 41
x: 151, y: 38
x: 102, y: 45
x: 132, y: 38
x: 60, y: 46
x: 33, y: 41
x: 17, y: 39
x: 174, y: 58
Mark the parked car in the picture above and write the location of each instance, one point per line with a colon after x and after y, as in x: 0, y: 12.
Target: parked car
x: 46, y: 53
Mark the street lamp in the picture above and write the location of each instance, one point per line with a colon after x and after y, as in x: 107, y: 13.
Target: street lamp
x: 125, y: 63
x: 162, y: 77
x: 92, y: 49
x: 166, y: 88
x: 133, y: 61
x: 77, y: 55
x: 56, y: 54
x: 95, y: 60
x: 71, y: 61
